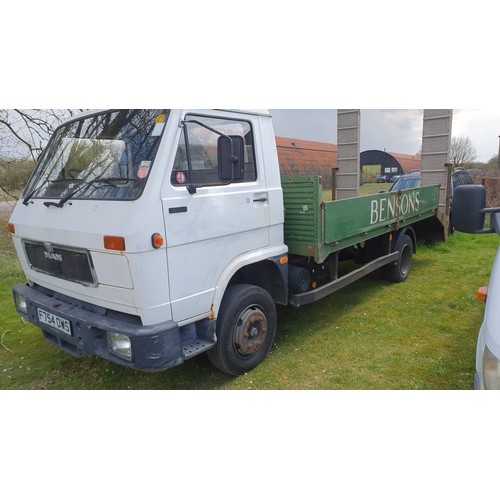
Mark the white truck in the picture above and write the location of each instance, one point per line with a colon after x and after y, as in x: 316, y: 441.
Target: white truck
x: 151, y: 236
x: 469, y: 205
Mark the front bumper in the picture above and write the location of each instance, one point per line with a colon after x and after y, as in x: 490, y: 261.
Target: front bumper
x: 154, y: 348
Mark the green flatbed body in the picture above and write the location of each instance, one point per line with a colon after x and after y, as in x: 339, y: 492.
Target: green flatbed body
x: 315, y: 228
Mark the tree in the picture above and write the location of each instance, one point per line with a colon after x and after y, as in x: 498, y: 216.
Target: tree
x: 23, y: 135
x: 24, y: 132
x: 494, y: 163
x: 462, y: 152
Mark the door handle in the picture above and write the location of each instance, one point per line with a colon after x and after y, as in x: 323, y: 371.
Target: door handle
x: 260, y: 198
x: 177, y: 210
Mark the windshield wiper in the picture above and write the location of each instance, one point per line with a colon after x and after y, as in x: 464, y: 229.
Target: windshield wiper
x: 43, y: 184
x: 85, y: 184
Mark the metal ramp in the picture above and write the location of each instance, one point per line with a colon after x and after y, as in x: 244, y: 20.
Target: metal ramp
x: 348, y: 154
x: 436, y: 140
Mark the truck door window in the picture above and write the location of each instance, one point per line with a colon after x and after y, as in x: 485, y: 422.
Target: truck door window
x: 196, y: 160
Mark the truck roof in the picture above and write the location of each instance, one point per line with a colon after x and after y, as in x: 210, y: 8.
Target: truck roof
x: 259, y: 112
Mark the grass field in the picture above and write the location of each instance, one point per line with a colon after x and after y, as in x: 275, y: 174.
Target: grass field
x: 374, y: 188
x: 420, y: 334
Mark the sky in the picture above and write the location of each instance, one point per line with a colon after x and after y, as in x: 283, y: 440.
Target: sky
x: 395, y: 130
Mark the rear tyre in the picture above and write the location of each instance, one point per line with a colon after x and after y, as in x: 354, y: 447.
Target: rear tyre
x: 299, y: 279
x: 246, y: 327
x: 400, y: 270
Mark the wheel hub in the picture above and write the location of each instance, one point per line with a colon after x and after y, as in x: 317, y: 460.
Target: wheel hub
x: 250, y: 331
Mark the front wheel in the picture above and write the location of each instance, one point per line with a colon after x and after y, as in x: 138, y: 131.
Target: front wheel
x: 246, y: 327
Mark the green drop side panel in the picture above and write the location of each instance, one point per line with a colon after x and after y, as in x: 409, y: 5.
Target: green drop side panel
x: 314, y: 228
x: 352, y: 221
x: 302, y: 200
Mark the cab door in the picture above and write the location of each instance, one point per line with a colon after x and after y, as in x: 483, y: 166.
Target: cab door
x: 213, y: 215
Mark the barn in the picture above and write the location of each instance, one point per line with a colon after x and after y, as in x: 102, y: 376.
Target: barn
x: 298, y: 157
x: 375, y: 162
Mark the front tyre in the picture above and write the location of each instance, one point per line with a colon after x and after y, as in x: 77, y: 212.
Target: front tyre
x: 246, y: 327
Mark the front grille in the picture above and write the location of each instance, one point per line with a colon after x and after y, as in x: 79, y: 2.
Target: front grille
x: 62, y: 262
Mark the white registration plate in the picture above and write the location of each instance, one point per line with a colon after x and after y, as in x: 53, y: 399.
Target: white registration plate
x: 60, y: 324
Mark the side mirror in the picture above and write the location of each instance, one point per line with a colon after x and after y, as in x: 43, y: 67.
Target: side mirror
x: 469, y: 202
x: 231, y: 160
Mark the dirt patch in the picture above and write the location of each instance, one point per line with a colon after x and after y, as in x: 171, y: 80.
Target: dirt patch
x: 6, y: 207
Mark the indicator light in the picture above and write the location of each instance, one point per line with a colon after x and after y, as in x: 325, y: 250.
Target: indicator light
x: 12, y: 229
x: 114, y: 243
x: 157, y: 240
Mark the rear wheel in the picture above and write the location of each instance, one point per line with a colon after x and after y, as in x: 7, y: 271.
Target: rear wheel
x: 299, y: 279
x: 400, y: 270
x: 246, y: 327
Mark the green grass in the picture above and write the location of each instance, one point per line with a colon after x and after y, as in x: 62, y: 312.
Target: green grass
x: 420, y: 334
x: 374, y: 188
x: 14, y: 174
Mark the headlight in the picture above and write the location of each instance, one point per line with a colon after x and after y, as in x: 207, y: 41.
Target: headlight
x: 119, y: 345
x: 491, y: 370
x: 21, y: 303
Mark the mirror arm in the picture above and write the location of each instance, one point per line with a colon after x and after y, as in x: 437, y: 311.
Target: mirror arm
x: 234, y: 158
x: 490, y: 210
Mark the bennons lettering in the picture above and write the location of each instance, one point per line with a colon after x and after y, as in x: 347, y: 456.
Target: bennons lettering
x: 392, y: 207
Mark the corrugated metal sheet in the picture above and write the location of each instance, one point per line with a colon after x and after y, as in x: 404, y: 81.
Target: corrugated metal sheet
x: 302, y: 199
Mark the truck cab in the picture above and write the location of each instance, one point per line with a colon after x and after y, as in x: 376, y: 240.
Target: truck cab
x: 135, y: 222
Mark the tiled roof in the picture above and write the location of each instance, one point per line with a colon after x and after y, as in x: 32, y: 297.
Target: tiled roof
x: 408, y: 163
x: 298, y: 157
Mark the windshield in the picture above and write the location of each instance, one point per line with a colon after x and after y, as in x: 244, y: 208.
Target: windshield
x: 103, y: 156
x: 406, y: 183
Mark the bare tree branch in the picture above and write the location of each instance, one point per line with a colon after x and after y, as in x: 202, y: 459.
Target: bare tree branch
x: 462, y: 153
x: 23, y: 135
x: 15, y: 133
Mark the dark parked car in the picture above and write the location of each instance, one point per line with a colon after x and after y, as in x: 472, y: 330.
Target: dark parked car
x: 383, y: 178
x: 407, y: 181
x: 412, y: 180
